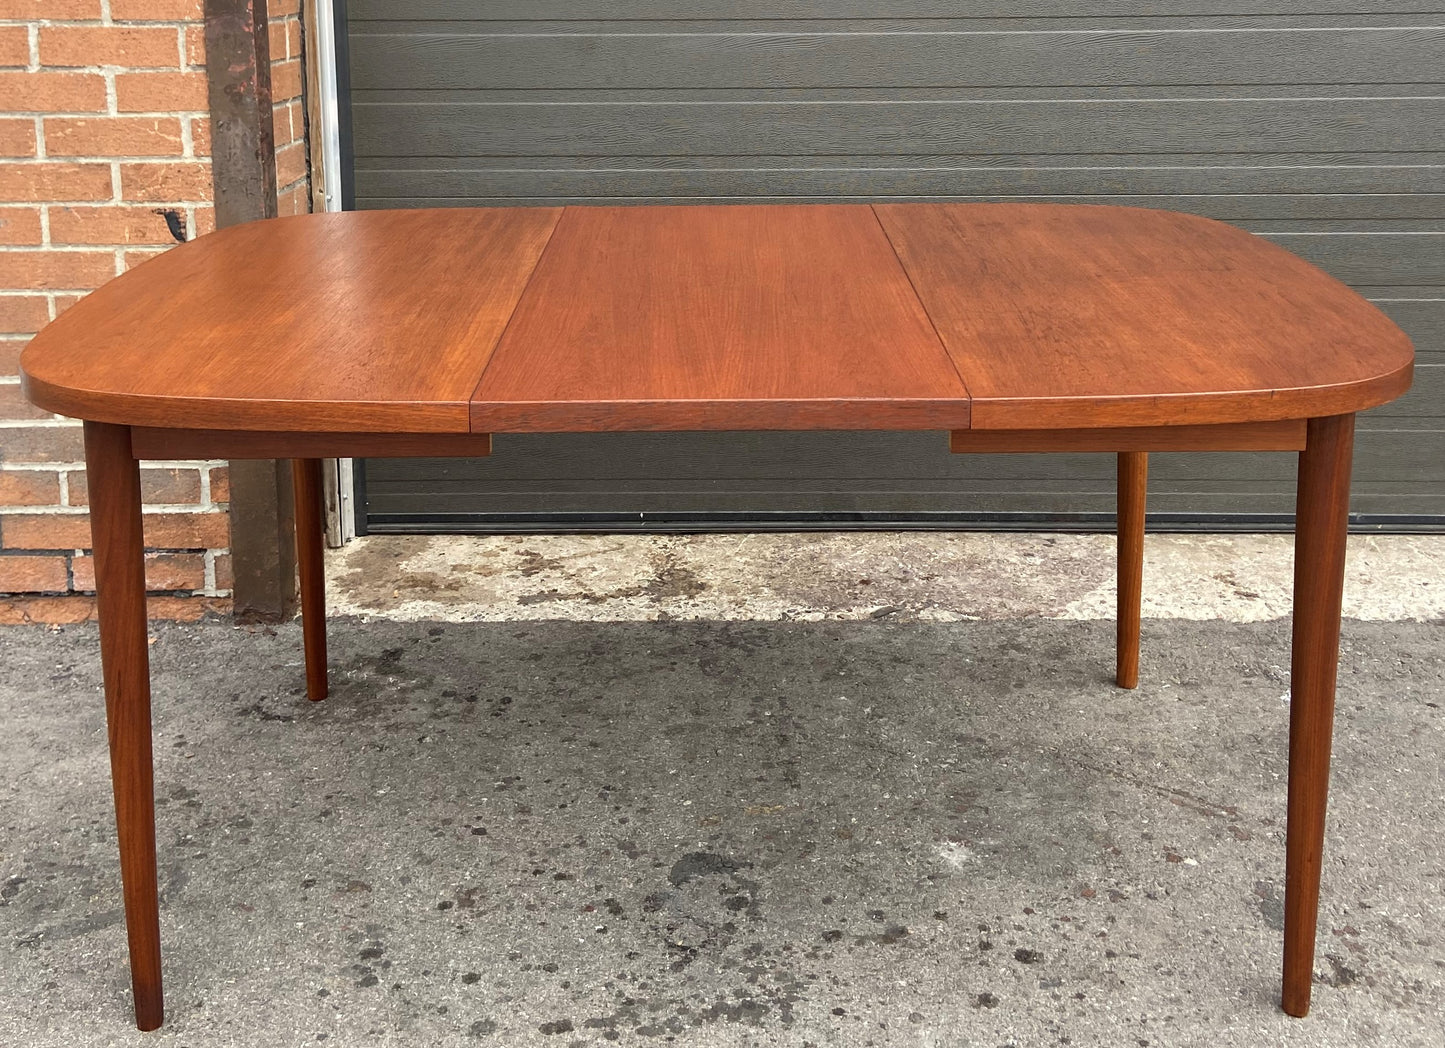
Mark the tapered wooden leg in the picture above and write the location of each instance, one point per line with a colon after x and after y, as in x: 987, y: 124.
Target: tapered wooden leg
x: 306, y: 479
x: 1133, y: 484
x: 1321, y: 519
x: 113, y: 478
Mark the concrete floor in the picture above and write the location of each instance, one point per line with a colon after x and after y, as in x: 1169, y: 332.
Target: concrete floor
x: 911, y: 811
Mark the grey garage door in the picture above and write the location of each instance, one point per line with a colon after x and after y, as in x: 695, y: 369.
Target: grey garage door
x: 1306, y: 121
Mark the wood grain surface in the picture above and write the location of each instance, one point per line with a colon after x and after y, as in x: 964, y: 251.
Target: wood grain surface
x: 1133, y: 488
x: 311, y: 570
x: 901, y: 316
x: 152, y: 442
x: 375, y: 321
x: 1322, y: 516
x: 1238, y: 436
x: 1091, y: 316
x: 719, y: 318
x: 120, y: 596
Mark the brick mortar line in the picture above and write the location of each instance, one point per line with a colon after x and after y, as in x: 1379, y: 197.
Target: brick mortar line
x: 76, y: 466
x: 110, y: 69
x: 146, y: 114
x: 95, y: 158
x: 93, y: 249
x: 183, y: 508
x: 96, y: 23
x: 85, y: 114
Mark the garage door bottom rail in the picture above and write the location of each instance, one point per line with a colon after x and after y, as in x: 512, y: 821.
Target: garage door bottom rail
x: 692, y: 522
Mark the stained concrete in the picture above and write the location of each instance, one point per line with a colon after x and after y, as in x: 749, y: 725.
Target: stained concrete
x: 933, y: 576
x: 886, y: 831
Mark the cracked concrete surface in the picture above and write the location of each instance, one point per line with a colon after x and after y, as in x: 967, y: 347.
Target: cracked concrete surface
x: 851, y: 828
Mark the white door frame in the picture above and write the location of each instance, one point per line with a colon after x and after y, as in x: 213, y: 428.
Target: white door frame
x: 337, y: 474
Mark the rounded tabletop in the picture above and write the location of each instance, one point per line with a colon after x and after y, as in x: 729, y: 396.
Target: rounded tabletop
x: 831, y: 316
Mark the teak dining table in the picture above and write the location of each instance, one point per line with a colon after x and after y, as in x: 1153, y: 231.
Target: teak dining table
x: 1013, y: 327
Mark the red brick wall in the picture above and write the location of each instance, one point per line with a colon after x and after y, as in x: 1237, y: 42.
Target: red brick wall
x: 293, y: 187
x: 104, y: 148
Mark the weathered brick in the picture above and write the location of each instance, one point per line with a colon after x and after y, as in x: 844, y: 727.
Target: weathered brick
x: 201, y: 135
x: 176, y: 571
x: 286, y: 80
x: 21, y: 611
x: 298, y: 120
x: 29, y: 487
x: 23, y: 314
x: 164, y: 571
x: 39, y: 270
x: 53, y: 182
x: 186, y: 609
x: 160, y: 92
x: 31, y: 574
x: 51, y: 92
x: 294, y: 201
x: 158, y: 486
x: 281, y: 125
x: 205, y: 221
x: 17, y: 137
x: 117, y: 224
x: 19, y: 226
x: 156, y: 10
x: 113, y: 136
x: 42, y: 444
x: 195, y: 45
x: 166, y: 182
x: 225, y: 579
x: 290, y: 164
x: 276, y: 40
x: 13, y: 405
x: 10, y: 350
x: 278, y: 9
x: 220, y: 485
x: 168, y: 531
x: 135, y: 47
x: 132, y: 257
x: 37, y: 531
x: 65, y: 301
x: 187, y: 530
x: 14, y: 45
x: 23, y: 10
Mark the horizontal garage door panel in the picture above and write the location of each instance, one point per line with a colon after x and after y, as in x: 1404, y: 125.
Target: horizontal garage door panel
x: 1414, y: 194
x: 453, y: 59
x: 911, y: 474
x: 651, y: 10
x: 1423, y: 319
x: 1319, y: 124
x: 449, y: 127
x: 1380, y: 259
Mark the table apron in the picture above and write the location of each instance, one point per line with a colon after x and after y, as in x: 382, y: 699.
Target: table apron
x: 1288, y: 435
x: 149, y: 442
